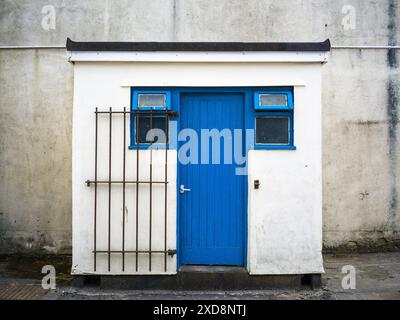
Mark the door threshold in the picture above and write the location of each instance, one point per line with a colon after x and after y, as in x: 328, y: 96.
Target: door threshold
x: 211, y: 269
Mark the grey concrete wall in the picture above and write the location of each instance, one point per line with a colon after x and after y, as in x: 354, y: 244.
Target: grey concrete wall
x: 361, y: 166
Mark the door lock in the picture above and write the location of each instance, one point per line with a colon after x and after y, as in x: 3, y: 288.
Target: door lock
x: 182, y: 189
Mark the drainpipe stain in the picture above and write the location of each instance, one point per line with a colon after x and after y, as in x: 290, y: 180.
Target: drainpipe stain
x: 392, y: 111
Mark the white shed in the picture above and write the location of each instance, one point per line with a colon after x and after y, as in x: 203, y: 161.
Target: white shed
x: 197, y: 154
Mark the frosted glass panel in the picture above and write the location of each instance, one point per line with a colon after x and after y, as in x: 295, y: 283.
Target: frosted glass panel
x: 273, y: 99
x: 151, y: 100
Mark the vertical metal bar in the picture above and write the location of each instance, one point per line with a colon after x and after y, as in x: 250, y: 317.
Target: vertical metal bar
x: 95, y: 193
x: 109, y: 195
x: 165, y: 189
x: 151, y: 189
x: 123, y: 194
x: 137, y: 139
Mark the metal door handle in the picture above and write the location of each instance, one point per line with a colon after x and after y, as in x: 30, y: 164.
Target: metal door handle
x: 182, y: 189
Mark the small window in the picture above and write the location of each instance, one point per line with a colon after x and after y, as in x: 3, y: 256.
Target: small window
x: 149, y: 120
x: 273, y: 130
x: 151, y: 100
x: 273, y: 118
x: 145, y: 123
x: 273, y: 100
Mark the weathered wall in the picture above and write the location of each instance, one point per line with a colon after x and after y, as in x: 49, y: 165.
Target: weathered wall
x: 360, y: 103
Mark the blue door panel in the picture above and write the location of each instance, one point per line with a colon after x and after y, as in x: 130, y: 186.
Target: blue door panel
x: 212, y: 213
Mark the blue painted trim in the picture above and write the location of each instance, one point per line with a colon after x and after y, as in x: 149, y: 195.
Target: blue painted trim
x: 272, y: 147
x: 286, y: 91
x: 249, y: 117
x: 148, y: 146
x: 271, y: 114
x: 134, y: 98
x: 247, y: 120
x: 135, y: 106
x: 176, y: 96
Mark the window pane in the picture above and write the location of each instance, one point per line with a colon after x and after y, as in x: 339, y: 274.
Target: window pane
x: 145, y: 124
x: 273, y: 99
x: 272, y: 130
x: 151, y: 100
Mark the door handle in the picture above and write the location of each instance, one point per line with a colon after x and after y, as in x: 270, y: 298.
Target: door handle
x: 182, y: 189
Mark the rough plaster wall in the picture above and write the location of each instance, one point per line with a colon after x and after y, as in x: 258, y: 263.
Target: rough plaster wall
x: 35, y: 140
x: 360, y: 103
x: 360, y: 168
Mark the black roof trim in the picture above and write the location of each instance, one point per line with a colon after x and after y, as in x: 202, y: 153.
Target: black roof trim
x: 198, y: 46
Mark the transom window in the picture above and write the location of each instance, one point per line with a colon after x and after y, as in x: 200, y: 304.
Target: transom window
x: 273, y: 100
x: 151, y: 100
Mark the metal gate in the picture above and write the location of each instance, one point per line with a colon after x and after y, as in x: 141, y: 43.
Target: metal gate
x: 132, y: 115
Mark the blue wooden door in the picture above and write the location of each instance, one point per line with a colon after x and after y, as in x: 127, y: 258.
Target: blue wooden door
x: 212, y: 212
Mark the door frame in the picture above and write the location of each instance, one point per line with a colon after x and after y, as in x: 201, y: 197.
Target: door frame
x: 176, y: 96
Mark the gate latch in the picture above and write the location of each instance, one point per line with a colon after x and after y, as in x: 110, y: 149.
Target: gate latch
x: 171, y: 252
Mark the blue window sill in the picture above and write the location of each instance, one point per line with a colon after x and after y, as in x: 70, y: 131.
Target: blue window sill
x: 261, y: 109
x: 146, y: 147
x: 267, y: 147
x: 256, y: 147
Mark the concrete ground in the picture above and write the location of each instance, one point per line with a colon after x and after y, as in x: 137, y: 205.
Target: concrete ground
x: 377, y: 277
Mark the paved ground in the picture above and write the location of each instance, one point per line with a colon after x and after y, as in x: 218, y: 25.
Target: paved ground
x: 377, y: 277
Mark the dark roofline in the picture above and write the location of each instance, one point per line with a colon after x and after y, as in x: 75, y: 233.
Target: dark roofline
x: 198, y: 46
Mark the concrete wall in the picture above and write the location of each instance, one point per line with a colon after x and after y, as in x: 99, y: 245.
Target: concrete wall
x: 360, y: 98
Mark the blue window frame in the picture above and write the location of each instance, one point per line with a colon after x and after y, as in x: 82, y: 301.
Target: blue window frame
x: 273, y: 119
x: 273, y: 122
x: 151, y: 100
x: 251, y: 114
x: 148, y: 107
x: 273, y: 99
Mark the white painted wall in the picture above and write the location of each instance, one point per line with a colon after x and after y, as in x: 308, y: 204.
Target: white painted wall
x: 285, y: 214
x: 100, y: 89
x: 192, y: 56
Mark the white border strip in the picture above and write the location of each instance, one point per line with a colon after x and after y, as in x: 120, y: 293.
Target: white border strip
x: 7, y: 47
x: 33, y: 47
x: 366, y: 47
x: 189, y: 56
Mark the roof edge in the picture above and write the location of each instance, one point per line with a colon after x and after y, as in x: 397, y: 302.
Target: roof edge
x: 198, y: 46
